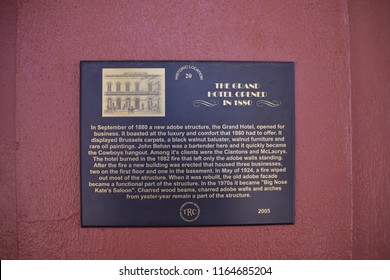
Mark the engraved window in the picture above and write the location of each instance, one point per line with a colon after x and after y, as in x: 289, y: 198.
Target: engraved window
x: 109, y: 86
x: 127, y: 86
x: 137, y: 86
x: 150, y: 86
x: 118, y: 86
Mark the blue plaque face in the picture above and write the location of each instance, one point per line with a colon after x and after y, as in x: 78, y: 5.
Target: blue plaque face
x: 186, y: 143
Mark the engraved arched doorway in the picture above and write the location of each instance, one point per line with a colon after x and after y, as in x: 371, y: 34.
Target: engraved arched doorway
x: 137, y: 103
x: 128, y: 103
x: 157, y: 105
x: 110, y: 105
x: 150, y: 104
x: 118, y: 103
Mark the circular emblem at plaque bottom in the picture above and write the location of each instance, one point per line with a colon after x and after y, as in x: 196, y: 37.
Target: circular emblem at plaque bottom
x: 189, y: 211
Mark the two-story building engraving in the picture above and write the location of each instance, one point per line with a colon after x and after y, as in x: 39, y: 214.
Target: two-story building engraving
x: 133, y: 92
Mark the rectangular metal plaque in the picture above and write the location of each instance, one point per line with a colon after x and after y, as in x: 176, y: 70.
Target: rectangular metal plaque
x: 186, y: 143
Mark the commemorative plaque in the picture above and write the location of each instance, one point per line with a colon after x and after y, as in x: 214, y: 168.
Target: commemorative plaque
x: 186, y: 143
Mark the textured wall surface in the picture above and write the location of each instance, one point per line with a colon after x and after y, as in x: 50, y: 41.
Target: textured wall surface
x: 53, y: 36
x: 370, y: 75
x: 8, y: 225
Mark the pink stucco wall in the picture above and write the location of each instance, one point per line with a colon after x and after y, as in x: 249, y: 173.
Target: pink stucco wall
x: 370, y: 76
x: 8, y: 212
x: 40, y: 209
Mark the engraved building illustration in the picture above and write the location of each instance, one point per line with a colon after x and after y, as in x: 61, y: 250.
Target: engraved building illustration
x: 133, y: 92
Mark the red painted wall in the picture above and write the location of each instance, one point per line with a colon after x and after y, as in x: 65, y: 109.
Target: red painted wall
x: 370, y: 76
x: 8, y: 212
x: 42, y: 209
